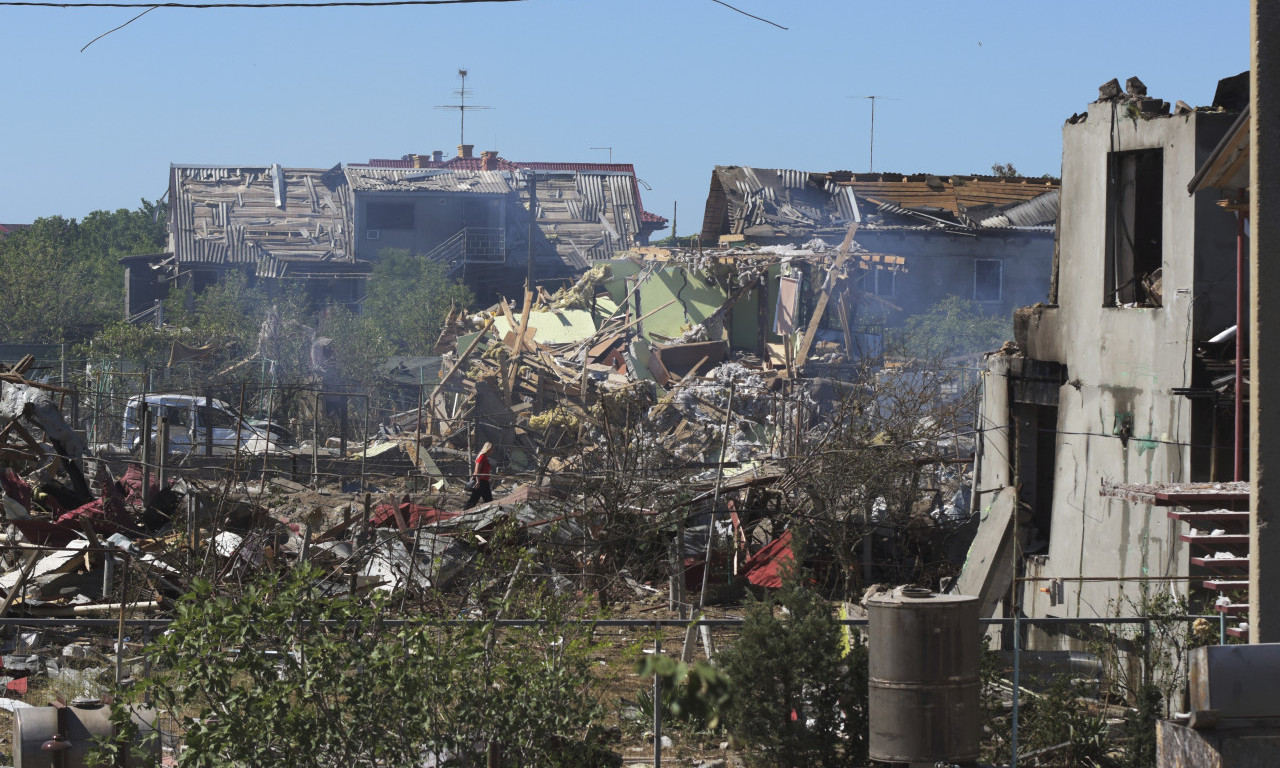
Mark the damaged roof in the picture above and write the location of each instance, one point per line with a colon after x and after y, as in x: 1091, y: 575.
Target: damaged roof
x: 367, y: 179
x: 264, y: 215
x: 773, y: 203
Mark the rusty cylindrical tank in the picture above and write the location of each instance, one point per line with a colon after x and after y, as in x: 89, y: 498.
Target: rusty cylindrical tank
x: 42, y: 740
x: 924, y: 693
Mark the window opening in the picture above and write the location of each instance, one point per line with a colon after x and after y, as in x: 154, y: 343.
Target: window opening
x: 1135, y: 228
x: 988, y: 280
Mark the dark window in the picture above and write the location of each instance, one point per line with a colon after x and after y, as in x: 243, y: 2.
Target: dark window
x: 882, y: 279
x: 988, y: 280
x: 211, y: 417
x: 1135, y: 205
x: 389, y: 216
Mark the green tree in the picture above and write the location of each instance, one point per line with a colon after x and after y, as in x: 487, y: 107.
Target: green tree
x: 795, y: 696
x: 1004, y: 171
x: 952, y: 327
x: 61, y: 277
x: 288, y: 674
x: 408, y: 298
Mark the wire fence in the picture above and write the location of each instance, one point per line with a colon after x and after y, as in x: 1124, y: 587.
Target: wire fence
x: 626, y: 639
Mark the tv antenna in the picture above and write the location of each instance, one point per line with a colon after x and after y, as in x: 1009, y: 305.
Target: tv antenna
x: 462, y: 106
x: 871, y: 163
x: 610, y: 152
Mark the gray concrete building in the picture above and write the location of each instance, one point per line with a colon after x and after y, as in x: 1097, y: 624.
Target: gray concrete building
x: 1111, y: 384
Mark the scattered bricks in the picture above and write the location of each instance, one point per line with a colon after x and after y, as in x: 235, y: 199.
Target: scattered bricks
x: 1135, y: 87
x: 1110, y: 90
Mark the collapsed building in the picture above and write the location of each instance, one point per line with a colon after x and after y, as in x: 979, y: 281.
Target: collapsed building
x: 328, y: 226
x: 1105, y: 461
x: 983, y: 238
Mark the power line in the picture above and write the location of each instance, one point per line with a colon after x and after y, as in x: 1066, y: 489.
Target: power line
x: 337, y: 4
x: 744, y: 13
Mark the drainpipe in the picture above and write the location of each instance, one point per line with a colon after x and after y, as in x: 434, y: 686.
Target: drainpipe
x: 1241, y: 347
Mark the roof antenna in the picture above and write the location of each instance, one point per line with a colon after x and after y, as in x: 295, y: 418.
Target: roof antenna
x: 462, y: 106
x: 871, y: 164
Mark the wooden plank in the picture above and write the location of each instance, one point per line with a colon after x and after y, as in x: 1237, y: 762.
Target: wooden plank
x: 806, y: 343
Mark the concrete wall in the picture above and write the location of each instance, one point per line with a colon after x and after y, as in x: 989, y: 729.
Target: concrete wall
x: 1121, y: 364
x: 941, y: 264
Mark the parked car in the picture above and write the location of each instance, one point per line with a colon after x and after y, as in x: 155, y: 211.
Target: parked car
x: 191, y: 418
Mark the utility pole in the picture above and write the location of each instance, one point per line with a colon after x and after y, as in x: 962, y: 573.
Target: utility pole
x: 462, y: 106
x: 1264, y: 317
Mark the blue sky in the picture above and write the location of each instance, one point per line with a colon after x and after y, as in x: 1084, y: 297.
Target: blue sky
x: 674, y: 86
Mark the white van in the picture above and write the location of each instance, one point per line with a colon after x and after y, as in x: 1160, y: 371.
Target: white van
x: 190, y: 418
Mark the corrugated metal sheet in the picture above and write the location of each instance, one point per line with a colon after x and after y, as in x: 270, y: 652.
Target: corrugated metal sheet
x: 1036, y: 212
x: 364, y: 179
x: 229, y: 215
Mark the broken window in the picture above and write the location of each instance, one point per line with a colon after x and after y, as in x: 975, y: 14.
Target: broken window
x: 882, y: 279
x: 389, y: 216
x: 1135, y: 206
x: 988, y: 280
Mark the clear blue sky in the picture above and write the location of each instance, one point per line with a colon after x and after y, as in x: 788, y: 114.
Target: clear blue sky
x: 674, y: 86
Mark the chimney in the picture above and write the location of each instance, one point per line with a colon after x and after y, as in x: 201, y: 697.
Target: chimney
x: 464, y: 150
x: 489, y: 160
x: 416, y: 161
x: 437, y: 156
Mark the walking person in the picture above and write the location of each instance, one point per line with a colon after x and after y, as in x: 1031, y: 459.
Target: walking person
x: 480, y: 488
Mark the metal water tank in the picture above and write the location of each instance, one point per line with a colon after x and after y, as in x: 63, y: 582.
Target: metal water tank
x: 43, y: 737
x: 924, y: 695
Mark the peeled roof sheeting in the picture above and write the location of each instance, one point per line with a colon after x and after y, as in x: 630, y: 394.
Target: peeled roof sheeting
x: 229, y: 215
x: 365, y: 179
x: 1036, y: 212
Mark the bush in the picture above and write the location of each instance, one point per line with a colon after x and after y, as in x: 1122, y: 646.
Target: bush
x: 287, y: 676
x: 797, y: 696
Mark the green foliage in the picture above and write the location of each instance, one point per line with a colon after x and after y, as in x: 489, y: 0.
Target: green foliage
x: 408, y: 299
x: 358, y: 346
x: 1059, y: 725
x: 287, y: 675
x: 1004, y: 171
x: 954, y: 326
x: 697, y: 694
x: 61, y: 278
x: 796, y: 698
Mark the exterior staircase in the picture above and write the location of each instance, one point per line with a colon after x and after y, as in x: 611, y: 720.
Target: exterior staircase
x: 1217, y: 529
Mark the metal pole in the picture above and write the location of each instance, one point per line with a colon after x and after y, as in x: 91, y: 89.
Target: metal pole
x: 417, y: 432
x: 711, y: 527
x: 657, y: 706
x: 162, y: 450
x: 315, y: 443
x: 1017, y: 647
x: 145, y: 434
x: 364, y: 441
x: 124, y: 600
x: 208, y: 418
x: 533, y: 227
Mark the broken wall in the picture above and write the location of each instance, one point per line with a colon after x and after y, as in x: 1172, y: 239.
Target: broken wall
x: 1117, y: 418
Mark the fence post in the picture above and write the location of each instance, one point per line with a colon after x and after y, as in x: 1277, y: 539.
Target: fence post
x: 657, y: 704
x: 1017, y: 684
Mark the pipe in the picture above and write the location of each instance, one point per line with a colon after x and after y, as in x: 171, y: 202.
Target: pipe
x: 84, y: 610
x: 1241, y: 346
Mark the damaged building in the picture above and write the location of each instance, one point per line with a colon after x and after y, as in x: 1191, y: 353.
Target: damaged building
x: 982, y: 238
x: 327, y: 227
x: 1106, y: 434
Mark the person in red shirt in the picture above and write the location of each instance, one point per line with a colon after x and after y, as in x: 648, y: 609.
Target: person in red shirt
x: 480, y: 477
